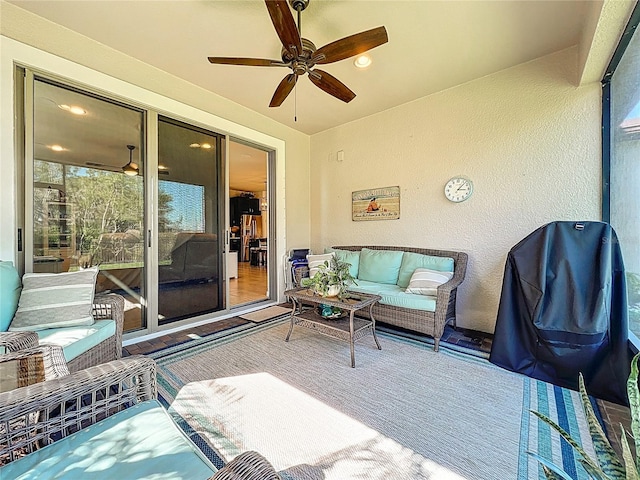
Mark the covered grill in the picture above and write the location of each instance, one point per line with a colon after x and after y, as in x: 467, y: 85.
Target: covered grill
x: 563, y: 309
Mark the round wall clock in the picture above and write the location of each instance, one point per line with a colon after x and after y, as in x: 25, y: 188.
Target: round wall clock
x: 458, y: 189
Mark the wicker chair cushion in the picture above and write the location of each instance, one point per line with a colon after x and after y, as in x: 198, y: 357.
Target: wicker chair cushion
x: 395, y: 296
x: 77, y: 340
x: 51, y: 300
x: 139, y: 442
x: 381, y: 266
x: 9, y: 293
x: 411, y: 261
x: 347, y: 256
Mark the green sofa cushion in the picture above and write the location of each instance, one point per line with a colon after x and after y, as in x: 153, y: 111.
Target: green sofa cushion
x: 348, y: 256
x: 77, y: 340
x: 139, y: 442
x: 395, y: 296
x: 411, y: 261
x: 9, y: 293
x: 380, y: 266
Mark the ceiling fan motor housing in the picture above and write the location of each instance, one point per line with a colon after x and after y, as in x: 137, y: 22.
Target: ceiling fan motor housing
x: 308, y: 49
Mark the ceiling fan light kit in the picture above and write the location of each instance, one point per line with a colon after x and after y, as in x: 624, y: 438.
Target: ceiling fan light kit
x: 130, y: 169
x: 301, y: 55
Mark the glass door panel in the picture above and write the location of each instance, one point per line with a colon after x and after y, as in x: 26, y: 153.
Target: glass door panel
x: 190, y: 221
x: 86, y: 211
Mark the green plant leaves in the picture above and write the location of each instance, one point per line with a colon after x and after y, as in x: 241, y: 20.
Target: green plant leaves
x: 627, y: 456
x: 634, y: 404
x: 551, y: 471
x: 564, y: 434
x: 605, y: 454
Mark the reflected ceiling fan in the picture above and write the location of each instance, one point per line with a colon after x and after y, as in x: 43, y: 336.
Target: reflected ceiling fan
x: 301, y: 55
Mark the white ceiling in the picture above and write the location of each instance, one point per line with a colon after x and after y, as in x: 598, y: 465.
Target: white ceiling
x: 433, y: 45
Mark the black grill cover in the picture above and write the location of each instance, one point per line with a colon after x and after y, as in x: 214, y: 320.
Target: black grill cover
x: 563, y: 309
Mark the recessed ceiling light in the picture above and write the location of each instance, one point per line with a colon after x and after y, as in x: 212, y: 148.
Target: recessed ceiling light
x: 205, y: 145
x: 195, y: 145
x: 57, y: 148
x: 362, y: 61
x: 73, y: 109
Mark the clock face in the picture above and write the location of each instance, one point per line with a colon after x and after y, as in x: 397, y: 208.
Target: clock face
x: 458, y: 189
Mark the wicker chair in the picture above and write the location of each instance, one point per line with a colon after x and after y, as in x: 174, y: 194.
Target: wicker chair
x: 33, y: 416
x: 430, y: 323
x: 21, y: 435
x: 105, y: 306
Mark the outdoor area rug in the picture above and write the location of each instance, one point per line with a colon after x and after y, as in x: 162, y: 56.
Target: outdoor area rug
x: 266, y: 314
x: 405, y: 412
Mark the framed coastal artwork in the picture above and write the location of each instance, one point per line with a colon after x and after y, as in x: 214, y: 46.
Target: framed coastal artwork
x: 376, y: 204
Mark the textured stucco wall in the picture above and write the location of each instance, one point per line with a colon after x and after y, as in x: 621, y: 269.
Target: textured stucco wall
x: 527, y: 137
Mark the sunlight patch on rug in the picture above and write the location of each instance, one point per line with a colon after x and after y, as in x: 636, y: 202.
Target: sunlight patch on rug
x: 335, y: 444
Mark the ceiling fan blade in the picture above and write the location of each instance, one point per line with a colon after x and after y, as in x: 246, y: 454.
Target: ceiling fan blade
x: 283, y: 90
x: 285, y: 25
x: 251, y: 62
x: 331, y: 85
x: 349, y: 46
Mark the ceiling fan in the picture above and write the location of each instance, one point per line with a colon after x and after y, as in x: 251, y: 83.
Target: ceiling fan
x: 301, y: 55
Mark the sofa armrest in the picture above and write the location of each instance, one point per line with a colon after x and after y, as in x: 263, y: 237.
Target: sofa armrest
x: 111, y: 306
x: 458, y: 276
x: 447, y: 292
x: 14, y: 341
x: 30, y: 415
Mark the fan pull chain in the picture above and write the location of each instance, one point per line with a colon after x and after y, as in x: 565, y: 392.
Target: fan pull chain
x: 295, y: 100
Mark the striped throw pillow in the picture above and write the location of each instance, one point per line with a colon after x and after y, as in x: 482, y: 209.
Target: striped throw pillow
x: 316, y: 260
x: 53, y: 300
x: 425, y: 281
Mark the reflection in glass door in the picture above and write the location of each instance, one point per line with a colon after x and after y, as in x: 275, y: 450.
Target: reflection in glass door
x: 190, y: 220
x: 86, y: 210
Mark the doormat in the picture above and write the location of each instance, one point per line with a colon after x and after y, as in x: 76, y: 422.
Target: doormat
x: 266, y: 314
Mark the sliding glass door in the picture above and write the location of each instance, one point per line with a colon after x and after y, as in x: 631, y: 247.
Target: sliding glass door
x: 190, y: 221
x: 139, y: 195
x: 86, y: 208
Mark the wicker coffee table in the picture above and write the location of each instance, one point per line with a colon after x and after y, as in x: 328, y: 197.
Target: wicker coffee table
x: 348, y: 327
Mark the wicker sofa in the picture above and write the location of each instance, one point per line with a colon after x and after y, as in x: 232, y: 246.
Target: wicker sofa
x: 430, y: 319
x: 83, y: 346
x: 44, y: 430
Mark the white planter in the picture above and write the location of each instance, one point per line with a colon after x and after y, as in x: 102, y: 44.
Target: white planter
x: 333, y: 291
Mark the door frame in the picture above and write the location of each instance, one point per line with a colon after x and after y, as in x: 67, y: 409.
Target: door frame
x: 272, y: 242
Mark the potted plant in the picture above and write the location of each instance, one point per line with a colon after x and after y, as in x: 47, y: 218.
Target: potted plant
x: 606, y: 465
x: 331, y: 279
